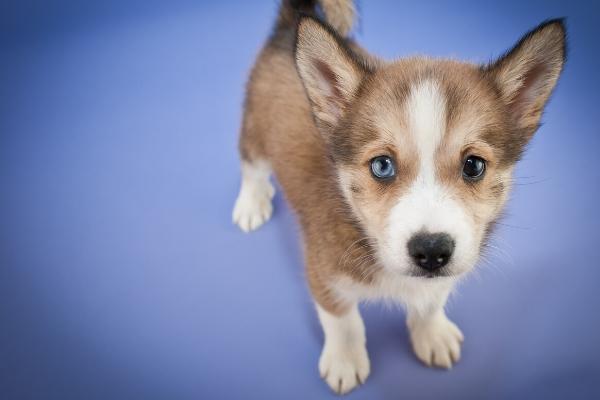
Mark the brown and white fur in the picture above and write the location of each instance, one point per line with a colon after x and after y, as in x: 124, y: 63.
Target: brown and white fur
x: 319, y: 109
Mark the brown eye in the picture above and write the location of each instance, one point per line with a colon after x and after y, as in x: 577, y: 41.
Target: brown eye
x: 474, y: 168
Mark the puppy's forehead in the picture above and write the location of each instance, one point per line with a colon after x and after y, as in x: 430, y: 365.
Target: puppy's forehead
x: 425, y: 112
x: 416, y: 104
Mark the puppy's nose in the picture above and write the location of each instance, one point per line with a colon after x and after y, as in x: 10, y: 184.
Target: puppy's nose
x: 431, y: 251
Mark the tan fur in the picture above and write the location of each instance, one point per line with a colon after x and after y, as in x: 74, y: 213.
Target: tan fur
x: 323, y: 167
x: 340, y: 14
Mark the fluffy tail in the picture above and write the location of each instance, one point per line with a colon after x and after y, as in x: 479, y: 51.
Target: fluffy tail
x: 340, y: 14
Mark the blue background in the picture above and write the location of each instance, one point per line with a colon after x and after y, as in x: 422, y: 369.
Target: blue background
x: 122, y: 277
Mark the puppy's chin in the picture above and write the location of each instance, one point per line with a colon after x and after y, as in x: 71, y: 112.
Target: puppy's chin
x: 447, y: 272
x: 438, y: 273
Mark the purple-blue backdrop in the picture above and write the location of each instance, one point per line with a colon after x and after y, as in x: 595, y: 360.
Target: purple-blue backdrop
x: 122, y: 277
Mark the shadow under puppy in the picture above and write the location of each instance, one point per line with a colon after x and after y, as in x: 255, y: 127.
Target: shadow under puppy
x: 396, y: 170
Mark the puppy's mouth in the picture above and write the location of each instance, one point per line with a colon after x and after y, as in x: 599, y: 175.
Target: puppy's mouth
x: 438, y: 273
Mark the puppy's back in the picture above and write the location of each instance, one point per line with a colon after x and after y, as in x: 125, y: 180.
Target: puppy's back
x: 278, y: 125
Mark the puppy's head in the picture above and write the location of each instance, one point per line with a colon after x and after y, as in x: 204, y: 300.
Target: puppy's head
x: 424, y: 149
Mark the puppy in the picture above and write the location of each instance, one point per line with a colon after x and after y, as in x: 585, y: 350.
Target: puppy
x: 396, y: 170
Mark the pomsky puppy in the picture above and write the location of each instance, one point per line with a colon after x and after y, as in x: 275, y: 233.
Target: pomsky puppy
x: 396, y: 170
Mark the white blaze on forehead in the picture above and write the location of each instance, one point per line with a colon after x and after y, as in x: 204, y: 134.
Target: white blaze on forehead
x: 427, y: 205
x: 426, y: 110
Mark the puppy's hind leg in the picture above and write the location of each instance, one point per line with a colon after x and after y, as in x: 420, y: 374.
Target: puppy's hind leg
x: 253, y: 206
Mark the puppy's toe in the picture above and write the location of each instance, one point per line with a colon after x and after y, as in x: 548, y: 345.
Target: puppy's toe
x: 436, y: 342
x: 253, y: 206
x: 344, y: 369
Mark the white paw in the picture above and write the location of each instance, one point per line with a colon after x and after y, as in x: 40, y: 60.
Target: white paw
x: 253, y: 206
x: 344, y: 368
x: 436, y: 341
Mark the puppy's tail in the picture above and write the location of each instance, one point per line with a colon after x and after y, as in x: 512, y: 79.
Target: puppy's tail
x: 340, y: 14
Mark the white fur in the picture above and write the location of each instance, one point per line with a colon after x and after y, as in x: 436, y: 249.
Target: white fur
x: 435, y: 339
x: 427, y: 116
x: 427, y: 206
x: 419, y: 295
x: 344, y: 362
x: 253, y: 206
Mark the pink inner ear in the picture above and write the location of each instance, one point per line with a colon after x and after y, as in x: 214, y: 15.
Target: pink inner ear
x: 328, y: 79
x: 328, y: 85
x: 530, y: 90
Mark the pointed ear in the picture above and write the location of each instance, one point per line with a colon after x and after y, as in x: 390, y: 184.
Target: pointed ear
x: 527, y: 74
x: 330, y: 72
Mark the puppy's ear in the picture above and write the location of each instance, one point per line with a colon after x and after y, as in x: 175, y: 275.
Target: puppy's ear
x: 527, y: 74
x: 329, y: 71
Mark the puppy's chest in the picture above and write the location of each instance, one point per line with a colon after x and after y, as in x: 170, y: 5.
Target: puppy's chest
x: 392, y: 288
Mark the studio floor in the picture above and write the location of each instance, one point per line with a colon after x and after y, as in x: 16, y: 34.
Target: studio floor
x: 122, y: 276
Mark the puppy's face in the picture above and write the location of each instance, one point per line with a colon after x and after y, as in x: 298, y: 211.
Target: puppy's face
x: 417, y: 165
x: 424, y: 149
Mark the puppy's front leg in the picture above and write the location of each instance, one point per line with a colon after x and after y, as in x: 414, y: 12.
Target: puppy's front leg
x: 344, y: 362
x: 435, y: 339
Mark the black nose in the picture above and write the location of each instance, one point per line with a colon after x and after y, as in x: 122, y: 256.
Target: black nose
x: 431, y: 250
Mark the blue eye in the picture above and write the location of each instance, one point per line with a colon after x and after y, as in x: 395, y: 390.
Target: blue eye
x: 383, y: 167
